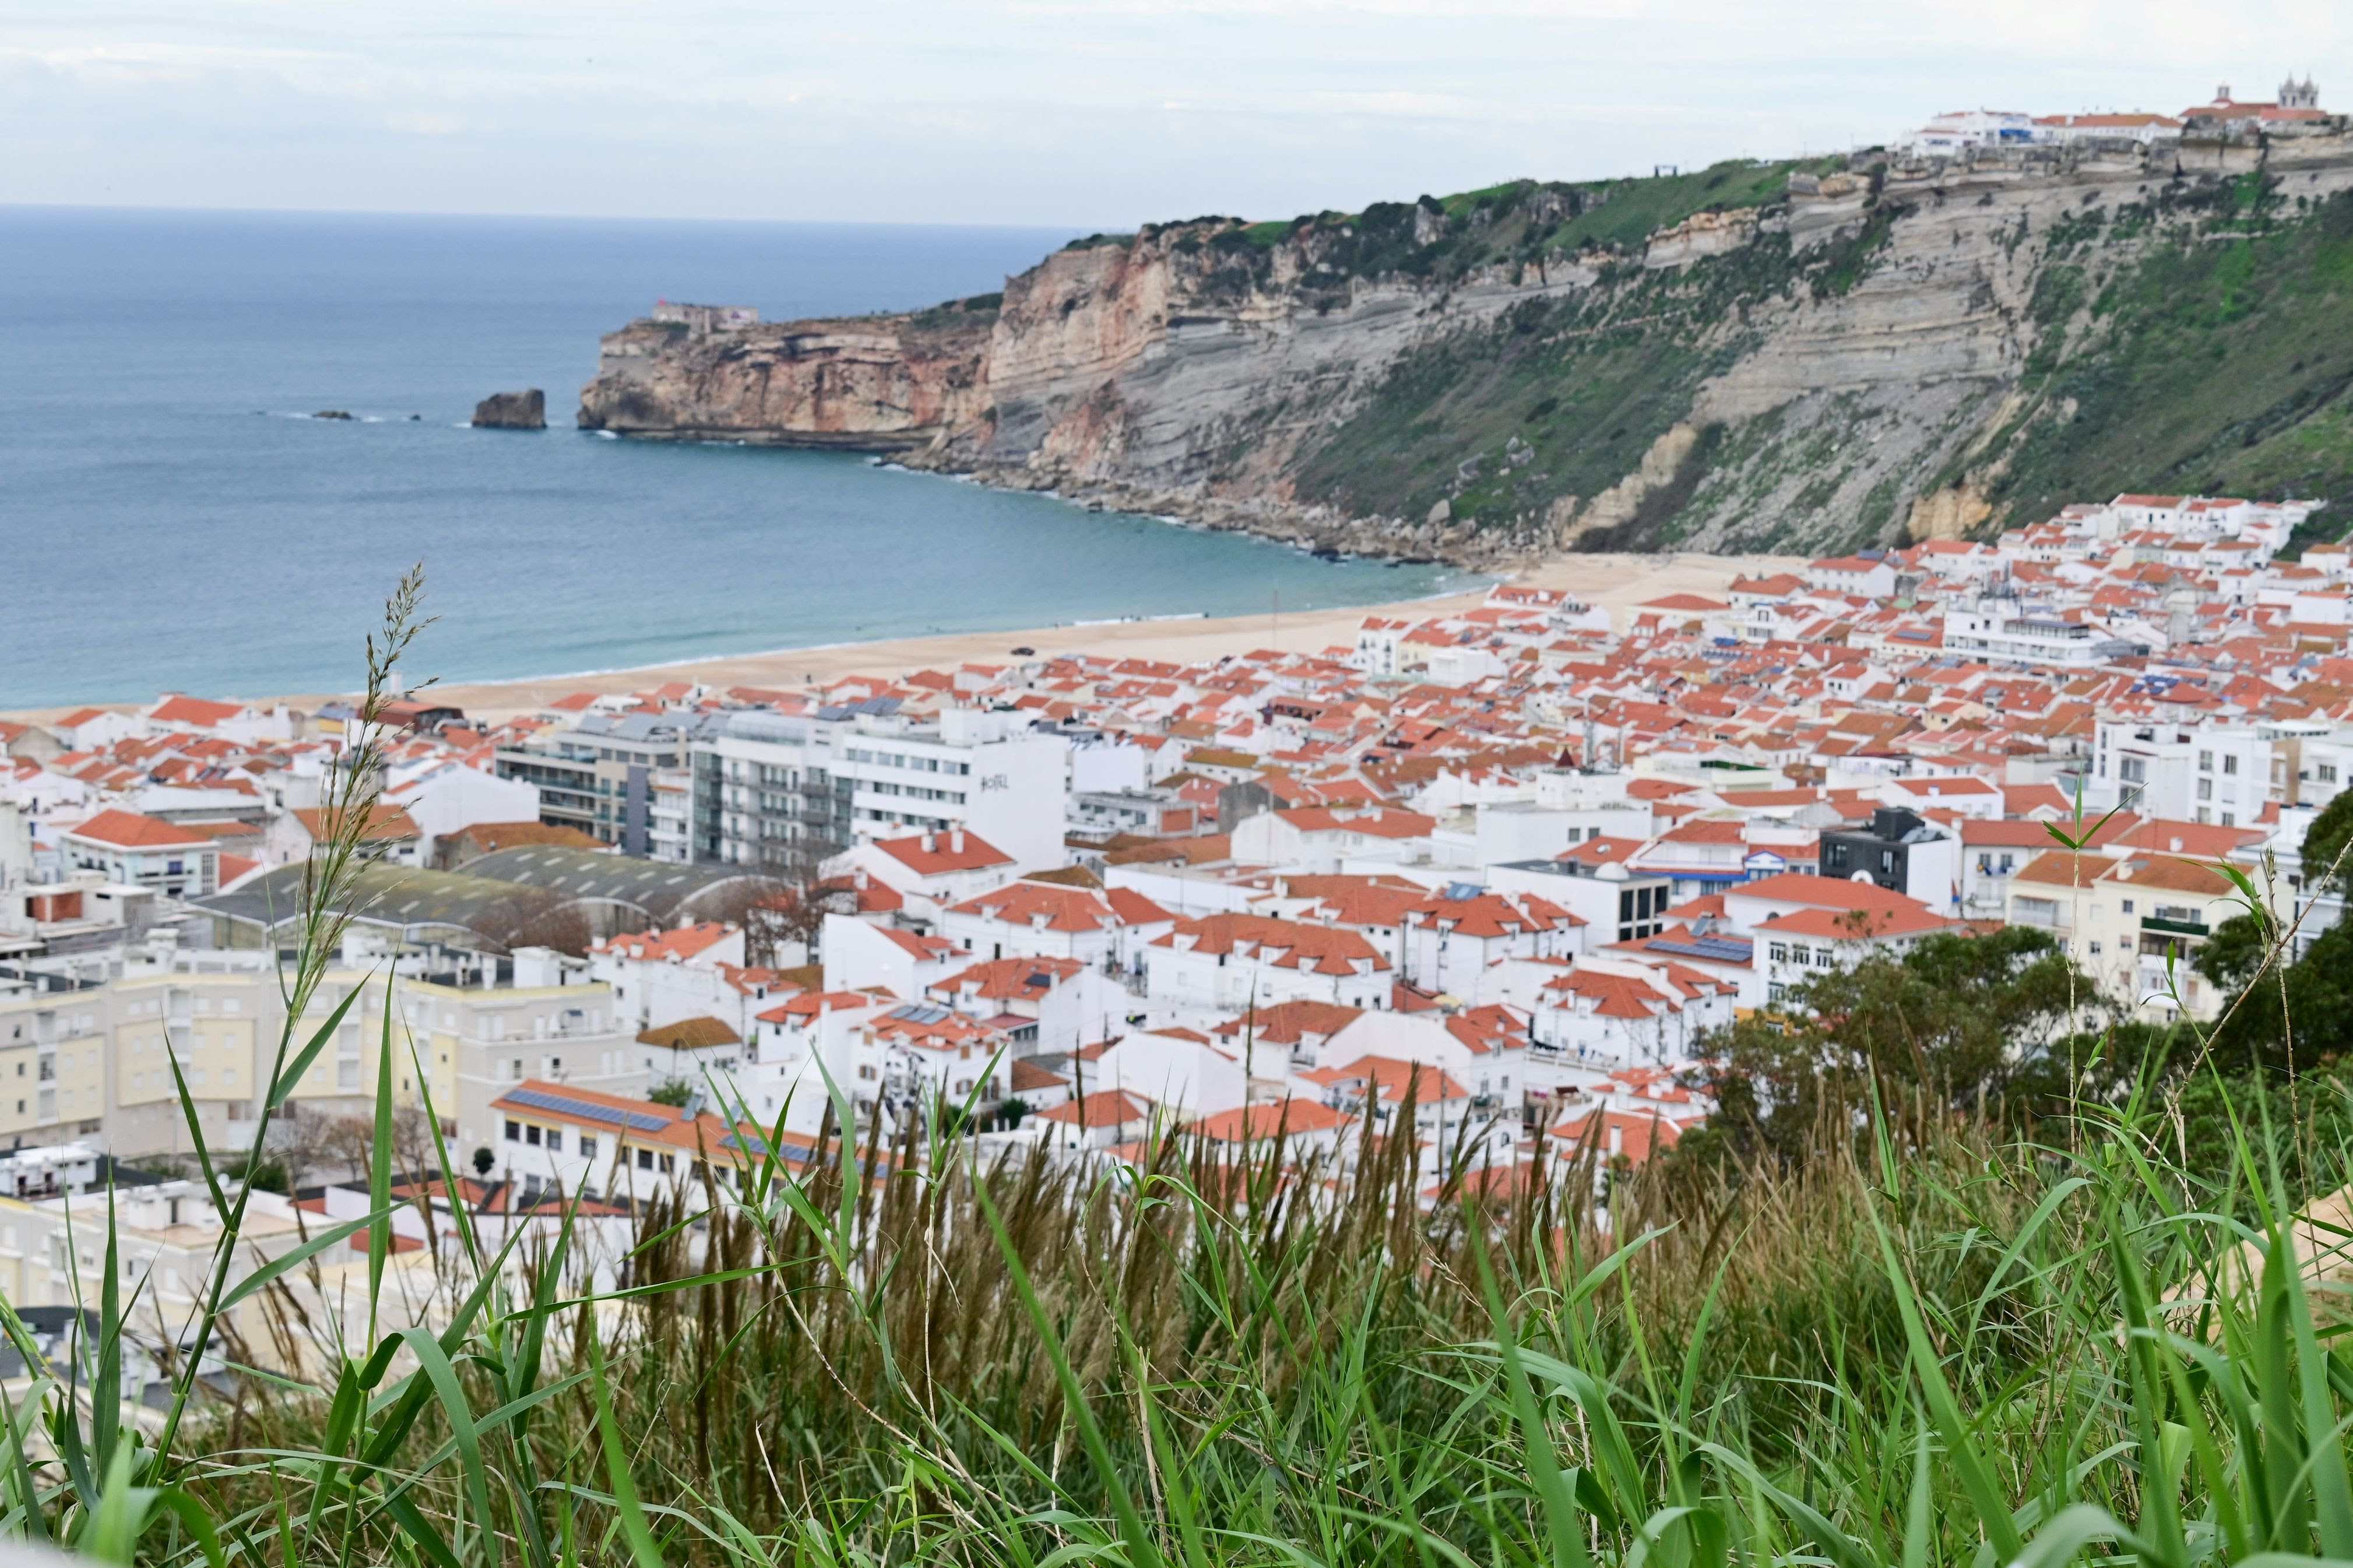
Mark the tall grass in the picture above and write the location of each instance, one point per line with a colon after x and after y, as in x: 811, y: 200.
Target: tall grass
x: 1930, y: 1343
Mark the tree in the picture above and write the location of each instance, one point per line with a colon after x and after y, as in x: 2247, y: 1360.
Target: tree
x: 1961, y: 1022
x: 781, y: 916
x: 2324, y: 859
x: 676, y: 1091
x: 533, y: 917
x: 2286, y: 1018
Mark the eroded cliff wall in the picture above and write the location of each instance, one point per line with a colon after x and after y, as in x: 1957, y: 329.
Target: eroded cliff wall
x: 1801, y: 360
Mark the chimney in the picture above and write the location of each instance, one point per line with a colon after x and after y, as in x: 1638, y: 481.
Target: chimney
x: 2222, y: 94
x: 956, y: 841
x: 930, y: 843
x: 2177, y: 846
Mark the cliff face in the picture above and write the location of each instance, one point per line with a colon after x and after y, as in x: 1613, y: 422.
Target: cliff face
x: 1751, y: 357
x: 878, y: 384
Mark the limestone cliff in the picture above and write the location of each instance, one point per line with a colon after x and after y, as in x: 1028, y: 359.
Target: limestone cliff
x: 1752, y: 355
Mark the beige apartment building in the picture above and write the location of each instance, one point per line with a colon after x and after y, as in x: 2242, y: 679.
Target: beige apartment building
x: 2122, y: 919
x: 92, y: 1064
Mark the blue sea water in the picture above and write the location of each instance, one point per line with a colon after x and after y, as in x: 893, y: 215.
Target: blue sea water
x: 171, y: 518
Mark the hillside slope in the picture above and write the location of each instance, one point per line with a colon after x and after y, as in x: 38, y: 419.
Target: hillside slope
x: 1754, y: 356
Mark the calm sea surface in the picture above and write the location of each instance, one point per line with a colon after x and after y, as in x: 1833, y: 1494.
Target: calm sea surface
x: 171, y: 517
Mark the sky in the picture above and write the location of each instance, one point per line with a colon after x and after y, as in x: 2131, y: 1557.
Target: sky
x: 1079, y: 113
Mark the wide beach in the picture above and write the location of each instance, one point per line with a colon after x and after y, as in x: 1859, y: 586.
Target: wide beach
x: 1615, y: 583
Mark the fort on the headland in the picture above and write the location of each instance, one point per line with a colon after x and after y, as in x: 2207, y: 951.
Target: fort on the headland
x: 702, y: 321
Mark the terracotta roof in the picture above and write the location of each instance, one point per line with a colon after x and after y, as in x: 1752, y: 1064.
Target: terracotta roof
x: 667, y: 946
x: 690, y: 1035
x: 130, y: 830
x: 1284, y: 1117
x: 939, y: 854
x: 385, y: 823
x: 1282, y: 945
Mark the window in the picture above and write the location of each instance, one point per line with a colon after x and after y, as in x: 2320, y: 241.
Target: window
x: 669, y: 1163
x: 530, y: 1136
x: 2095, y: 949
x: 2205, y: 789
x: 1779, y: 952
x: 2128, y: 906
x: 587, y: 1147
x: 2205, y: 762
x: 2328, y: 772
x: 514, y: 1131
x: 2230, y: 761
x: 1776, y: 992
x: 645, y: 1159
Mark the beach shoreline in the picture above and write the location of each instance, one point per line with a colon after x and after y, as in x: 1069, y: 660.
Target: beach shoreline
x: 1613, y: 582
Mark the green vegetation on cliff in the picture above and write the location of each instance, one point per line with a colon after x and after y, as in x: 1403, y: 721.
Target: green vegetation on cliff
x: 1563, y: 395
x: 2217, y: 360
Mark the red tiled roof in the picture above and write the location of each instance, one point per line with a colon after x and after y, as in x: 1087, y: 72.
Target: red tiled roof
x: 130, y: 830
x: 938, y: 854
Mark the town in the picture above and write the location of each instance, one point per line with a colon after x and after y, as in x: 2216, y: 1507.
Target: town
x: 1502, y: 872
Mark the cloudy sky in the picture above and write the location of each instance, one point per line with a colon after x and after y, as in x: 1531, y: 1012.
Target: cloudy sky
x: 1083, y: 113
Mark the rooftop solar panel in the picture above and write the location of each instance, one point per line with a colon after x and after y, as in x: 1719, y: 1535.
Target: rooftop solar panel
x: 540, y: 1100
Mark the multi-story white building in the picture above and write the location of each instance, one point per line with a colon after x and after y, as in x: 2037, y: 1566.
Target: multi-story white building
x: 784, y: 791
x: 2220, y: 773
x: 91, y: 1062
x: 144, y: 852
x: 2003, y: 629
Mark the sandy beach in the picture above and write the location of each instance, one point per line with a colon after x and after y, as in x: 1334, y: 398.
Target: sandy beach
x: 1616, y: 583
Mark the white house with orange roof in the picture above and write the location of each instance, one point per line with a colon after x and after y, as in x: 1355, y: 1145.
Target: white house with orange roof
x: 926, y: 1052
x: 390, y: 835
x: 661, y: 976
x: 805, y: 1049
x: 95, y: 728
x: 1866, y: 576
x: 1451, y: 1124
x: 144, y: 852
x: 1381, y: 644
x: 1041, y: 1005
x: 1485, y: 1050
x: 1604, y: 1014
x: 929, y: 870
x: 1211, y: 969
x: 173, y: 713
x: 1297, y: 1128
x: 1100, y: 1119
x: 1804, y: 924
x: 557, y: 1135
x: 864, y: 955
x: 1329, y: 839
x: 1037, y: 919
x: 444, y: 797
x: 1613, y: 1134
x: 1187, y: 1072
x: 1453, y: 938
x: 1965, y: 794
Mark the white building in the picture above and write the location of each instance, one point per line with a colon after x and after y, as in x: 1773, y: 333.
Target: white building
x: 778, y: 789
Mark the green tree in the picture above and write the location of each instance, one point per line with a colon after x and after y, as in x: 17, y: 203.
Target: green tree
x: 2286, y: 1018
x: 1965, y: 1022
x: 676, y: 1091
x: 2324, y: 841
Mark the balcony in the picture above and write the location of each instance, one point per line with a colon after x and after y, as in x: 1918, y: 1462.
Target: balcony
x: 2174, y: 927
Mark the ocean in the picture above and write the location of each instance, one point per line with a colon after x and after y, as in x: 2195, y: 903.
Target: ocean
x: 172, y: 517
